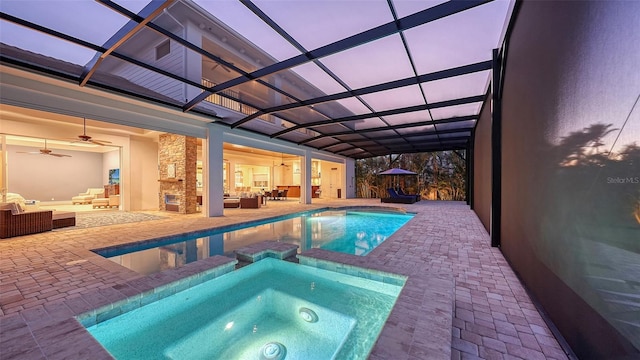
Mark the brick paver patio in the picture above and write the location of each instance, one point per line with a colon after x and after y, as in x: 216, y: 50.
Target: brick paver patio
x: 52, y: 276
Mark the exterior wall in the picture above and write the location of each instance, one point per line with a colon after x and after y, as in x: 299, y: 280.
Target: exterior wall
x: 350, y: 175
x: 110, y: 160
x: 482, y: 166
x: 143, y: 183
x: 192, y: 61
x: 571, y: 223
x: 3, y: 168
x: 173, y: 63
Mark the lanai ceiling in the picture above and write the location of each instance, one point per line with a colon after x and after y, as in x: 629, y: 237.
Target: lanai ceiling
x: 379, y: 77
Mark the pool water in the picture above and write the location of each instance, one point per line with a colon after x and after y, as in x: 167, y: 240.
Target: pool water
x: 272, y: 309
x: 355, y: 232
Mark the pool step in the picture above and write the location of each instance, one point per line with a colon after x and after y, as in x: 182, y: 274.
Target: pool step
x: 261, y: 250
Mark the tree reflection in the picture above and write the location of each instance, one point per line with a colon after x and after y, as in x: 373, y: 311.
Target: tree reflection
x: 583, y: 148
x: 603, y: 187
x: 589, y: 228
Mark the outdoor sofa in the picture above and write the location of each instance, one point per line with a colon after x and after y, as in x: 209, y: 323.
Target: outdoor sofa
x: 15, y: 222
x: 16, y: 219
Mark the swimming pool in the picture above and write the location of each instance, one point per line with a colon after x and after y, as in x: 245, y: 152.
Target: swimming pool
x: 272, y: 309
x: 352, y: 231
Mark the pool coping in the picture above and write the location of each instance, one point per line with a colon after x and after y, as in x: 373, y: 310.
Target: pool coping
x: 417, y: 327
x: 61, y: 335
x: 419, y: 324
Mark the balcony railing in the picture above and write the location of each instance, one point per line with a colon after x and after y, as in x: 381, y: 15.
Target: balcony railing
x: 229, y: 102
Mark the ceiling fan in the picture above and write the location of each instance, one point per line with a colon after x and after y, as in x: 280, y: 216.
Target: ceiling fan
x: 44, y: 151
x: 282, y: 162
x: 216, y: 64
x: 84, y: 138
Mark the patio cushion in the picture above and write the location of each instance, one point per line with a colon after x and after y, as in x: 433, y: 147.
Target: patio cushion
x: 14, y: 207
x: 100, y: 202
x: 16, y: 198
x: 231, y: 203
x: 63, y: 219
x: 86, y: 197
x: 401, y: 199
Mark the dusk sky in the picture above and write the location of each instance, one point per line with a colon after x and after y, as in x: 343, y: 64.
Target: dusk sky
x: 457, y: 40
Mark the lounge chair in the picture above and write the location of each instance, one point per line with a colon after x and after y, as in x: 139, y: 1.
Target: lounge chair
x: 394, y: 197
x: 402, y: 193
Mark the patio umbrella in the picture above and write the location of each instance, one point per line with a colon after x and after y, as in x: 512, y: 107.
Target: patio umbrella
x: 397, y: 172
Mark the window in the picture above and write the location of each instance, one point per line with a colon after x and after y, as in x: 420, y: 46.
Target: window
x: 239, y: 179
x: 163, y: 50
x: 261, y: 180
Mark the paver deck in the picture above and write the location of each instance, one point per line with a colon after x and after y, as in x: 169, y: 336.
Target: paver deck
x: 53, y: 275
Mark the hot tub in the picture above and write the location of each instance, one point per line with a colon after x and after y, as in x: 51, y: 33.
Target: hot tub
x: 272, y: 309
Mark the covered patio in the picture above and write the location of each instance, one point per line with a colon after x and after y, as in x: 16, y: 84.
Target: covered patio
x: 551, y: 163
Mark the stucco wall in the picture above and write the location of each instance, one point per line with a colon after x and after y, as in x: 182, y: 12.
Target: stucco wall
x: 568, y: 224
x: 110, y: 160
x: 143, y: 180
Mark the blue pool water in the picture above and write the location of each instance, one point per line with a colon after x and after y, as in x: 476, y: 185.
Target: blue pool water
x: 260, y: 311
x: 348, y: 231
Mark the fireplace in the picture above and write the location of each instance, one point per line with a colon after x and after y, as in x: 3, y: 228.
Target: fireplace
x: 172, y: 202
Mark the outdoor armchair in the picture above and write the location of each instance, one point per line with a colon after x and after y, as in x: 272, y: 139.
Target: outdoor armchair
x: 86, y: 197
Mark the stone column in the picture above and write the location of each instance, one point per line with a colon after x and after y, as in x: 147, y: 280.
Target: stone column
x: 177, y: 159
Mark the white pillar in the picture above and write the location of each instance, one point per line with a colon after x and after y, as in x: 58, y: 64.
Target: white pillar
x: 305, y: 188
x: 213, y: 191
